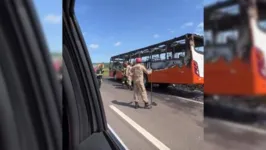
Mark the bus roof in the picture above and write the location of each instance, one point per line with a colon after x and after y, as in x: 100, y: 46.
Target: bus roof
x: 160, y: 47
x: 227, y: 20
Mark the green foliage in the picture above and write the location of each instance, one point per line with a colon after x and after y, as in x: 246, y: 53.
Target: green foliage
x: 56, y: 55
x: 106, y: 73
x: 106, y: 65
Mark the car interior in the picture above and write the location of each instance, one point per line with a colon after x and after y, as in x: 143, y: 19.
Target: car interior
x: 37, y: 111
x: 30, y: 101
x: 84, y: 118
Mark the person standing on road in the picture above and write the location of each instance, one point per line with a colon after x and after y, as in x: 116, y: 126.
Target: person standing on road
x: 139, y: 89
x: 129, y: 75
x: 101, y: 67
x: 124, y: 79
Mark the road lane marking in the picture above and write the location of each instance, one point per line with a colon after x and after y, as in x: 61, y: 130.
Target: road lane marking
x: 185, y: 99
x: 141, y: 130
x: 118, y: 138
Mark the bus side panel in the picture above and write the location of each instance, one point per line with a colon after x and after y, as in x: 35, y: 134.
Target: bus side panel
x: 116, y: 73
x: 238, y: 75
x: 175, y: 75
x: 119, y: 74
x: 111, y: 73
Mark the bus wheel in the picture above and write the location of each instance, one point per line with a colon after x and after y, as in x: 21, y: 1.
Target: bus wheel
x: 163, y: 85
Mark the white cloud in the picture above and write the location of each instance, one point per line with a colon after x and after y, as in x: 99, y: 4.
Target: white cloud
x: 200, y: 28
x: 201, y: 25
x: 200, y: 6
x: 171, y: 31
x: 94, y: 46
x: 188, y: 24
x: 53, y: 19
x: 117, y: 44
x: 156, y: 35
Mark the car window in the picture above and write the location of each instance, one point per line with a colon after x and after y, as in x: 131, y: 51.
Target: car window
x: 50, y: 14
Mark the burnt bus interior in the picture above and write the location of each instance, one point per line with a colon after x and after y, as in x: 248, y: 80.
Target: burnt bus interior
x: 116, y: 63
x: 167, y: 53
x: 227, y: 30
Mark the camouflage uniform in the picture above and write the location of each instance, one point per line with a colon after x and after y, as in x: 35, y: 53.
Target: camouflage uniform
x: 124, y: 79
x: 139, y: 88
x: 100, y: 67
x: 129, y: 75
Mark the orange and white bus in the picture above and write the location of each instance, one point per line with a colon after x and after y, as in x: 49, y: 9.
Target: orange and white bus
x: 116, y: 67
x: 175, y: 61
x: 235, y: 48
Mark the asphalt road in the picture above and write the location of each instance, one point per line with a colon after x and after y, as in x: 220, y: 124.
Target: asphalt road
x: 176, y: 123
x: 223, y: 135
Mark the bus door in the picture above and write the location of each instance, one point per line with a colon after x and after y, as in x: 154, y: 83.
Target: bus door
x: 234, y: 50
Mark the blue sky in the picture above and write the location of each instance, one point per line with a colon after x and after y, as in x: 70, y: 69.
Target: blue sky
x: 50, y: 15
x: 112, y: 27
x: 208, y: 2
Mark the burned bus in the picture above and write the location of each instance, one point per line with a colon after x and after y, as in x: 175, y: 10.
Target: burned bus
x: 235, y: 47
x: 175, y: 61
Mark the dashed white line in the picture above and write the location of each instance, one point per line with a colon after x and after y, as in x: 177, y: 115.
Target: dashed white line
x: 141, y: 130
x: 118, y: 138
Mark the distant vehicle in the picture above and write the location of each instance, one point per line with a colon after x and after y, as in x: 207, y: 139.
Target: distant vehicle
x: 57, y: 64
x: 175, y: 61
x: 95, y: 67
x: 235, y: 50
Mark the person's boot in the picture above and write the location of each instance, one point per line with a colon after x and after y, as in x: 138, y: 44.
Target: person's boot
x: 147, y: 106
x: 136, y: 105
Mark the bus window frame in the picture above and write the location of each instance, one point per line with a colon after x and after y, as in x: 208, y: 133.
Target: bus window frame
x: 261, y: 16
x: 227, y: 23
x: 114, y: 60
x: 180, y: 45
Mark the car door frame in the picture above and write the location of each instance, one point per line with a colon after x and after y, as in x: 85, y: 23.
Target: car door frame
x: 31, y: 91
x: 85, y: 65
